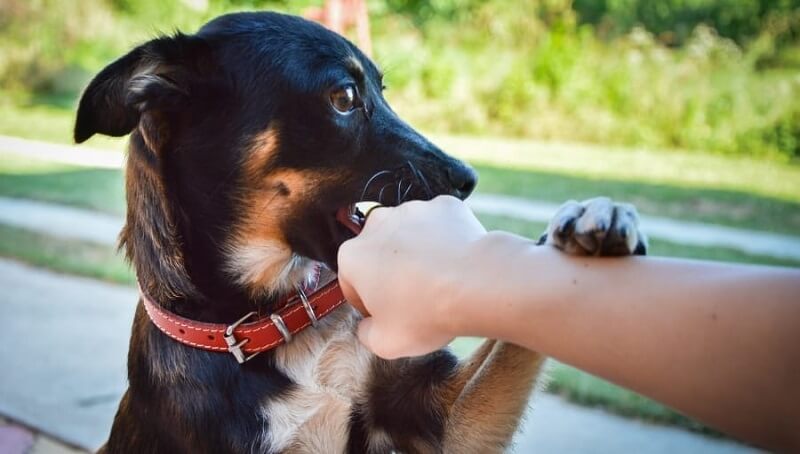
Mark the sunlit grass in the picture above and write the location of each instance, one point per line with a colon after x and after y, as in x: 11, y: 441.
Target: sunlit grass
x: 97, y: 189
x: 690, y: 170
x: 48, y: 123
x: 735, y: 208
x: 67, y: 256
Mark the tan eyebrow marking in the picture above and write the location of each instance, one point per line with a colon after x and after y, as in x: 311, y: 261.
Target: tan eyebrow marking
x: 354, y: 65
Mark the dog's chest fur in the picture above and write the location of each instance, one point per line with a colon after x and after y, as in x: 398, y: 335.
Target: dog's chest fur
x: 330, y: 369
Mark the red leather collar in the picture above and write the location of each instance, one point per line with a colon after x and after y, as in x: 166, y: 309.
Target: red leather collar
x: 245, y: 340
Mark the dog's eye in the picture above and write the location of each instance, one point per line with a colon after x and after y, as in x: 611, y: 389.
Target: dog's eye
x: 344, y: 98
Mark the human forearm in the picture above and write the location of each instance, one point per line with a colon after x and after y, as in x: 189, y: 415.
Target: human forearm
x: 715, y: 341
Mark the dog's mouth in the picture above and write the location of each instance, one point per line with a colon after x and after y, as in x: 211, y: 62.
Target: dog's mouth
x: 386, y: 187
x: 352, y: 217
x: 345, y: 219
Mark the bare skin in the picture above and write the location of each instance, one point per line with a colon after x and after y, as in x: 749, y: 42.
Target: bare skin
x: 718, y: 342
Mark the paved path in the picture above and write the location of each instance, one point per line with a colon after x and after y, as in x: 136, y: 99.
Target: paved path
x: 64, y: 355
x: 17, y: 439
x: 67, y: 380
x: 555, y: 426
x: 690, y: 233
x: 60, y: 221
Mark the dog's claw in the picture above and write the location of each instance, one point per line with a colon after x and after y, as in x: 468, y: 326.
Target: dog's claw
x: 567, y: 226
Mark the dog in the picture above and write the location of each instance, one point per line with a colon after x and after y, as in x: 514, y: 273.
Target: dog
x: 248, y: 140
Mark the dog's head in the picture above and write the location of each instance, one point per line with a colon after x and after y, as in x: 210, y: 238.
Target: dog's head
x: 247, y: 139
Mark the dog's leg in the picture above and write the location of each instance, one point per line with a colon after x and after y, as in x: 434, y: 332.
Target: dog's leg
x: 485, y: 415
x: 466, y: 370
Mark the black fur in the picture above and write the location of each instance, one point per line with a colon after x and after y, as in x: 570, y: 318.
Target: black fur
x: 193, y: 104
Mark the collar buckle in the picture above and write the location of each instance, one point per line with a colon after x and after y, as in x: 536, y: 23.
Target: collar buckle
x: 234, y: 345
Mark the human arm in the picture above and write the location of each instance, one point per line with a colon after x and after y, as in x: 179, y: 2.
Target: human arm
x: 718, y: 342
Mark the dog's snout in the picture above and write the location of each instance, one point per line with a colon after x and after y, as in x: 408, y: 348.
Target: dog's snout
x: 463, y: 178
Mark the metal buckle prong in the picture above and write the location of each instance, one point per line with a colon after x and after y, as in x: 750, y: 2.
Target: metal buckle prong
x: 234, y: 345
x: 307, y: 305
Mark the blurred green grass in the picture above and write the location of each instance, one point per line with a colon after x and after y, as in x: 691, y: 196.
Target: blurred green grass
x: 67, y: 256
x: 47, y: 122
x: 96, y: 189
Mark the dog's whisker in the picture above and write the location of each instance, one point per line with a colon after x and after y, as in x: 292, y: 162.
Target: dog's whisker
x: 408, y: 190
x: 380, y: 194
x: 371, y: 180
x: 421, y: 178
x: 399, y: 189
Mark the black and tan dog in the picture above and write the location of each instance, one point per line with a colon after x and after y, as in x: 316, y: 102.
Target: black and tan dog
x: 247, y: 139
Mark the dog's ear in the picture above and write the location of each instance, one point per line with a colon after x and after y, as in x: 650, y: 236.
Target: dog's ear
x: 157, y: 76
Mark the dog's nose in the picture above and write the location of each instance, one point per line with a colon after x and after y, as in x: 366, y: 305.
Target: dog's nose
x: 463, y: 179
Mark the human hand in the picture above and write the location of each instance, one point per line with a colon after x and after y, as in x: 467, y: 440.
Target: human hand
x: 402, y: 270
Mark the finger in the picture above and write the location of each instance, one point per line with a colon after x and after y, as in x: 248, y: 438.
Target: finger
x: 375, y: 215
x: 368, y: 207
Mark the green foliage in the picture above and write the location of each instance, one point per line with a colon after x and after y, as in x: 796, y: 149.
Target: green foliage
x: 716, y: 75
x: 675, y: 20
x: 543, y: 69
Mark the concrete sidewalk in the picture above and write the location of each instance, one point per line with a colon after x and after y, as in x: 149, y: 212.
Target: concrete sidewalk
x: 61, y: 221
x: 63, y: 352
x: 64, y: 372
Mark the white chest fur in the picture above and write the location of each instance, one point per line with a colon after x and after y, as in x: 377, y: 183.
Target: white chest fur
x: 330, y: 368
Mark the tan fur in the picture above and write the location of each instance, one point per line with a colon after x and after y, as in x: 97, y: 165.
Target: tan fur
x: 486, y: 414
x: 324, y: 431
x: 263, y: 148
x: 466, y: 370
x: 154, y: 130
x: 259, y: 256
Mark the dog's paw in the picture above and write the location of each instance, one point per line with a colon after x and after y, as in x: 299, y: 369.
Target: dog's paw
x: 596, y: 227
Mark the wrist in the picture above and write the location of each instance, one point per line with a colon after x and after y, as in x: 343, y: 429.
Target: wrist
x: 483, y: 280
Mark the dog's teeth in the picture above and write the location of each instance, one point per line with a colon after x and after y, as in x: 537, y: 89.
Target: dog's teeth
x: 364, y: 207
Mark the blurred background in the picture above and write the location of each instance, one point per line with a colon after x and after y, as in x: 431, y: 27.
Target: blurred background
x: 689, y: 109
